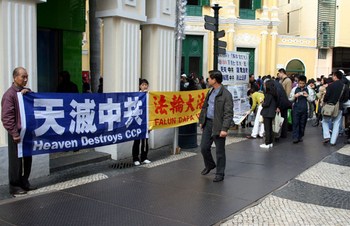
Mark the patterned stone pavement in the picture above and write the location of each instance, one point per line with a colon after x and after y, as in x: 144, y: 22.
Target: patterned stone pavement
x: 318, y: 196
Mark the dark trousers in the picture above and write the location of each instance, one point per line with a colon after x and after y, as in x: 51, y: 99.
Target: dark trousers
x: 284, y: 129
x: 268, y: 130
x: 299, y: 123
x: 136, y: 150
x: 19, y: 168
x: 207, y: 141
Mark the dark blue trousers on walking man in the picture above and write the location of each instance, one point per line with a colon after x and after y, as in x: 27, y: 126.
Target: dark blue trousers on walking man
x: 299, y: 124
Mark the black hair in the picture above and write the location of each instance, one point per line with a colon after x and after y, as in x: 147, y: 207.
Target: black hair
x: 250, y: 91
x: 339, y: 74
x: 271, y: 88
x: 142, y: 80
x: 217, y: 75
x: 282, y: 70
x: 302, y: 78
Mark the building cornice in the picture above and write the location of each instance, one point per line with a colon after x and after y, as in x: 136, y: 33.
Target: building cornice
x: 121, y: 13
x: 158, y: 21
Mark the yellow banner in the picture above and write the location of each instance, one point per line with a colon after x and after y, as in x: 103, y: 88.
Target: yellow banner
x: 173, y: 109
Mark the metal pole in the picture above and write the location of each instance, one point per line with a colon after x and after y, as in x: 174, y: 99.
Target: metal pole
x: 180, y: 27
x: 216, y: 8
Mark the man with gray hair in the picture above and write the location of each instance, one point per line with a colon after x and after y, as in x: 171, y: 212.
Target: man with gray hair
x: 19, y: 168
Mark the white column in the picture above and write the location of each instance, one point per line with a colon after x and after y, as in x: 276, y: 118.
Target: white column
x: 263, y: 55
x: 273, y: 52
x: 158, y: 56
x: 121, y: 66
x: 18, y: 47
x: 158, y: 67
x: 17, y: 43
x: 121, y: 54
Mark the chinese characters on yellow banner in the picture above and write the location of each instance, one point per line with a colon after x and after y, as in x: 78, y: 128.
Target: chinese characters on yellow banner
x: 173, y: 109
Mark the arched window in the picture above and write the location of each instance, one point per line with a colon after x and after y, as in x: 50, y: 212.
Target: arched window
x: 295, y: 67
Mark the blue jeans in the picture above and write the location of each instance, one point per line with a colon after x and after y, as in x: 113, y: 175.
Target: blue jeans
x: 336, y: 125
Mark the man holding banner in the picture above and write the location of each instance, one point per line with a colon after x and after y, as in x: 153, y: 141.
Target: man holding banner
x: 19, y: 168
x: 215, y: 120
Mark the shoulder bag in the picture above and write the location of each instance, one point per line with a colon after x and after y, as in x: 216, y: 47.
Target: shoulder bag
x: 330, y: 109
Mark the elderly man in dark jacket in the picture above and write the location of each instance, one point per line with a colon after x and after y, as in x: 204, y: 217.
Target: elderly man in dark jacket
x: 215, y: 120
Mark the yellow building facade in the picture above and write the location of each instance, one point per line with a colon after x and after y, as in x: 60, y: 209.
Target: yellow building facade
x: 290, y: 34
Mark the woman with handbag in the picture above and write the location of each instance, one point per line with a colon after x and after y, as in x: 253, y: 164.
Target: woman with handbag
x: 269, y: 111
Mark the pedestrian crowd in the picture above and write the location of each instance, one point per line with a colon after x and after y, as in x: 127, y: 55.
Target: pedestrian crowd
x: 297, y: 99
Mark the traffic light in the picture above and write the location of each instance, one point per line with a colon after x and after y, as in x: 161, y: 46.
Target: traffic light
x: 212, y: 24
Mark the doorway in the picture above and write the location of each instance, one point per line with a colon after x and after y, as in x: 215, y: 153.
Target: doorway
x: 192, y: 55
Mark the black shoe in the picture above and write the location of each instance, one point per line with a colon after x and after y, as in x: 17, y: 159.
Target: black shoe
x: 17, y: 191
x: 283, y: 136
x: 333, y: 144
x: 29, y: 188
x: 218, y: 178
x: 295, y: 141
x: 326, y: 141
x: 205, y: 171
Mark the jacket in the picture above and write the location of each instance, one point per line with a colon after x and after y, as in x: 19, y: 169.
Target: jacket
x: 269, y: 106
x: 257, y: 98
x: 333, y: 92
x: 223, y: 111
x: 10, y: 115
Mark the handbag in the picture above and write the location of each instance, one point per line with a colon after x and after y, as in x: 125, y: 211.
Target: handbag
x: 330, y: 109
x: 277, y: 123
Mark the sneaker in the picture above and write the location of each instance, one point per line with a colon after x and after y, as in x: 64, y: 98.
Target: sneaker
x: 136, y: 163
x: 271, y: 145
x: 265, y: 145
x: 146, y: 161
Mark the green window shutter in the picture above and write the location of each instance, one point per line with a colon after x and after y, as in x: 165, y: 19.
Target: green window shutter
x: 205, y: 2
x: 193, y: 10
x: 257, y: 4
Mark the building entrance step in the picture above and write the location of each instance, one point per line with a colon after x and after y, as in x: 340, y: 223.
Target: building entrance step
x: 77, y: 159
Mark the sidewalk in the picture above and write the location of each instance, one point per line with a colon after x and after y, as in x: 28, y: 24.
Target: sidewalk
x: 166, y: 192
